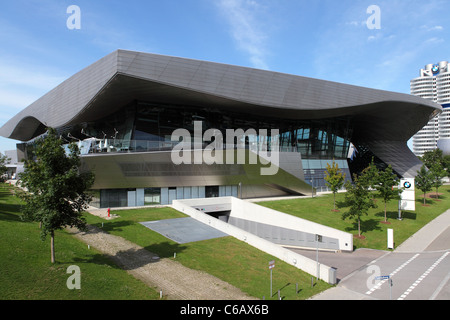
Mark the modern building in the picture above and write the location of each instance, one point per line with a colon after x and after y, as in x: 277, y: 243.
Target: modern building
x: 124, y: 109
x: 434, y: 85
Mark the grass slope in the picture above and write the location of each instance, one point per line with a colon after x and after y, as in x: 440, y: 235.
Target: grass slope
x: 27, y: 273
x: 319, y: 209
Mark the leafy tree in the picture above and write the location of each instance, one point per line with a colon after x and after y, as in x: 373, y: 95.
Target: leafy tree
x: 437, y: 173
x: 4, y: 160
x: 424, y: 181
x: 57, y: 191
x: 359, y: 198
x: 335, y: 179
x: 431, y: 157
x: 436, y: 157
x: 369, y: 176
x: 387, y: 179
x: 446, y: 164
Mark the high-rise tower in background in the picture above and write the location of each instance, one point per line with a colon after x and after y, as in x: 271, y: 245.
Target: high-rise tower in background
x: 434, y: 84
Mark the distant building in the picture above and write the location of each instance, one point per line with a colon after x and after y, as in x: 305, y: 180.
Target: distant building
x: 434, y: 85
x: 123, y: 110
x: 14, y: 165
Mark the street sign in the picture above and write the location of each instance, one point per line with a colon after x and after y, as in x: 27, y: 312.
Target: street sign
x: 390, y: 282
x: 272, y: 264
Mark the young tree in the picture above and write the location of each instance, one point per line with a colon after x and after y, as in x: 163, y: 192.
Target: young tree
x: 369, y: 175
x: 359, y: 199
x: 57, y: 191
x: 335, y: 179
x: 430, y: 158
x: 423, y: 181
x: 385, y: 187
x: 437, y: 173
x: 4, y: 160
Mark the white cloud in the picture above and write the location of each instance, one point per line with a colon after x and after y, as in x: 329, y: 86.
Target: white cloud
x: 21, y: 85
x: 434, y: 40
x: 433, y: 28
x: 246, y: 28
x: 13, y: 100
x: 13, y: 75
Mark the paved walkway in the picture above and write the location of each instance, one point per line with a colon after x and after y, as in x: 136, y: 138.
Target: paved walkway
x: 423, y: 240
x: 176, y: 281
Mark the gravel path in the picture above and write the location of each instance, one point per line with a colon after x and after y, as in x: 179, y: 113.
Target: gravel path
x: 176, y: 281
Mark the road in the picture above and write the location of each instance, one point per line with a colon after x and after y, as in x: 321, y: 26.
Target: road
x: 422, y: 274
x: 416, y: 276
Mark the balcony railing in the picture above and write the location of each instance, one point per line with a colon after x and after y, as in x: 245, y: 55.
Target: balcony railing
x: 93, y: 146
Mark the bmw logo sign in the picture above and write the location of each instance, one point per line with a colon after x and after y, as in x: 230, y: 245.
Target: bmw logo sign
x: 435, y: 68
x: 407, y: 184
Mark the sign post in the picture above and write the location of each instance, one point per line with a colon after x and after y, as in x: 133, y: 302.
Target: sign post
x: 390, y: 238
x: 390, y: 283
x: 318, y: 239
x: 271, y: 266
x: 408, y: 196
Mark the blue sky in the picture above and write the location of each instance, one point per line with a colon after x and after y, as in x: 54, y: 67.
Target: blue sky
x: 325, y: 39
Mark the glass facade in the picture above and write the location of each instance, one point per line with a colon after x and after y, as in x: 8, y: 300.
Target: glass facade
x: 144, y: 127
x: 141, y: 127
x: 117, y: 198
x: 152, y: 196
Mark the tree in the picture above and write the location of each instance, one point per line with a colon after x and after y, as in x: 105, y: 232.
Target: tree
x: 369, y: 176
x: 437, y: 173
x: 429, y: 158
x: 335, y: 179
x: 386, y: 181
x: 446, y: 164
x: 4, y: 160
x: 57, y: 191
x: 359, y: 198
x: 435, y: 158
x: 423, y: 181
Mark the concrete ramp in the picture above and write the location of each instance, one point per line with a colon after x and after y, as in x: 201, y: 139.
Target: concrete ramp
x: 269, y: 230
x: 184, y: 230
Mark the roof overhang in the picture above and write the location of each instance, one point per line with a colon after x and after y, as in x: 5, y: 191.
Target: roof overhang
x: 125, y: 76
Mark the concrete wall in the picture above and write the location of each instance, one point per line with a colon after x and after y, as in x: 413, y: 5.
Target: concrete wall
x: 325, y: 273
x: 253, y: 212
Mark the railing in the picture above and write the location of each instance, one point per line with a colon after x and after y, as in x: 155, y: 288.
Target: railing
x: 91, y: 146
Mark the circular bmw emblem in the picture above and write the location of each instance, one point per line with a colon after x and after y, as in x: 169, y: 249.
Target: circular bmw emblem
x: 435, y: 68
x: 407, y: 184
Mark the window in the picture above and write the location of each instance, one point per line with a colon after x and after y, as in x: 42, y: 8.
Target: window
x: 152, y: 196
x: 212, y: 191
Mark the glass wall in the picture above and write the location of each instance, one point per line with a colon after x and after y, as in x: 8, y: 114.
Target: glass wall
x: 152, y: 196
x: 143, y: 126
x: 113, y: 198
x: 117, y: 198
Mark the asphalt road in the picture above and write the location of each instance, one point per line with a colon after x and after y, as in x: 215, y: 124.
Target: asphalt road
x: 420, y: 275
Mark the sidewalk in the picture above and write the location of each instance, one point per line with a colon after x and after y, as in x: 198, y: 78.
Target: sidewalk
x: 424, y: 237
x: 416, y: 243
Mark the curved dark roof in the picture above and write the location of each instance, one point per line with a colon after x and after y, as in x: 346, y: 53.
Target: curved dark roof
x: 124, y: 76
x: 380, y: 118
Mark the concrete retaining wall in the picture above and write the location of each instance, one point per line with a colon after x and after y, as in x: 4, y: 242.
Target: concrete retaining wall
x: 239, y: 207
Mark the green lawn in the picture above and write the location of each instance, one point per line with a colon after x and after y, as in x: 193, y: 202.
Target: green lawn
x: 226, y: 258
x: 27, y: 273
x: 318, y: 209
